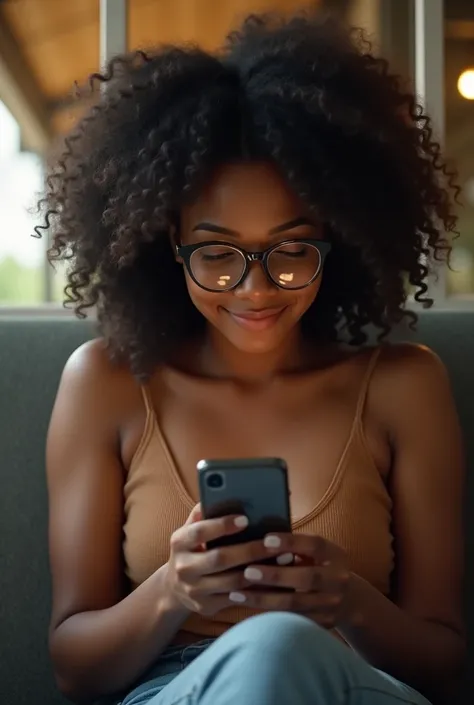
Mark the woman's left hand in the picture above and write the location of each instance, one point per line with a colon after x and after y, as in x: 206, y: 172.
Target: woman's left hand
x: 317, y: 582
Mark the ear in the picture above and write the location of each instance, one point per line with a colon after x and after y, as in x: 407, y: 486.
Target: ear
x: 174, y: 240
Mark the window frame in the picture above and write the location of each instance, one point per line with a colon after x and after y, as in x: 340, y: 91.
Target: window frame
x: 429, y: 62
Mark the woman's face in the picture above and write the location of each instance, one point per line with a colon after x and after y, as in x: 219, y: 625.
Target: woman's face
x: 250, y: 206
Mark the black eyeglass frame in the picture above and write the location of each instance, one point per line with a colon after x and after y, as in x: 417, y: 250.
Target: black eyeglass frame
x: 186, y: 252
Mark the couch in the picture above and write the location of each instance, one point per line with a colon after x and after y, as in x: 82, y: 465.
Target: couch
x: 32, y: 353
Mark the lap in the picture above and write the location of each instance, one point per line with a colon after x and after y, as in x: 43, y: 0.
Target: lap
x: 174, y: 660
x: 263, y: 648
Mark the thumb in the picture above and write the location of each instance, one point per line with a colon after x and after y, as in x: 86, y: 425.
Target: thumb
x: 196, y: 515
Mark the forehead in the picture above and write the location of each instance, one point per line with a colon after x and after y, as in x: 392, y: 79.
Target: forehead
x: 243, y: 196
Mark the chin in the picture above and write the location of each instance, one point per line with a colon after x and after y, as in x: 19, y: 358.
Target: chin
x: 255, y: 344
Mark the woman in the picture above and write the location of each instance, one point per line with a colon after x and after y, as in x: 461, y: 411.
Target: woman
x: 234, y: 218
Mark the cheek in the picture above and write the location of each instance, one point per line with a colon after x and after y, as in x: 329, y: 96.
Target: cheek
x: 206, y: 302
x: 305, y: 297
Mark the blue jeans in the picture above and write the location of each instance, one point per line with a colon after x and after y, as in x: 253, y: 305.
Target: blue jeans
x: 272, y: 659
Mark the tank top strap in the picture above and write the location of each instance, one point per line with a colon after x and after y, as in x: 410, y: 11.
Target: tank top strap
x: 153, y: 427
x: 147, y: 400
x: 364, y: 388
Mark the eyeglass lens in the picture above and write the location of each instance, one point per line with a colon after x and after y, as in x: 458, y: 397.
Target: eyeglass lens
x: 220, y: 267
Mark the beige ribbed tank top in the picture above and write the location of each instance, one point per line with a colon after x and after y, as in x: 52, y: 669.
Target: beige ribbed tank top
x: 354, y: 512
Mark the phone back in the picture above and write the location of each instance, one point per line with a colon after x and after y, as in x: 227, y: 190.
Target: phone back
x: 257, y: 488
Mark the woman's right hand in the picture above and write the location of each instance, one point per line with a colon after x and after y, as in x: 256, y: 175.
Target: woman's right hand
x: 200, y: 579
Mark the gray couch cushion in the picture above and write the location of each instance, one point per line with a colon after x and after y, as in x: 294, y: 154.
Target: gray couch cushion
x: 32, y: 355
x: 451, y: 335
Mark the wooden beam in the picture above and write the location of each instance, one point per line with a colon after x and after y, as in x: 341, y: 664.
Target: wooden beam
x: 21, y: 94
x: 367, y: 14
x: 459, y: 29
x: 339, y: 8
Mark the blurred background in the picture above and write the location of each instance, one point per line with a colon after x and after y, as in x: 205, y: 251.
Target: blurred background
x: 47, y: 45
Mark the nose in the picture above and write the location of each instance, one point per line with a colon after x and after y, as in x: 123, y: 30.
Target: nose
x: 256, y: 285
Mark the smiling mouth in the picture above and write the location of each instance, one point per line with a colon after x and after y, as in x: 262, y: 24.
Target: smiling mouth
x: 257, y: 320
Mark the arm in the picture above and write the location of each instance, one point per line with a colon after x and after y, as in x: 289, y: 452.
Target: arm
x: 419, y: 638
x: 101, y: 639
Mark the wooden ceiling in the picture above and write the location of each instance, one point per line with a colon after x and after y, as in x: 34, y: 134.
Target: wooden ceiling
x: 60, y: 38
x: 57, y: 41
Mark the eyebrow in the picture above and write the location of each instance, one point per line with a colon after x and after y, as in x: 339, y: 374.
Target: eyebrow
x: 213, y: 228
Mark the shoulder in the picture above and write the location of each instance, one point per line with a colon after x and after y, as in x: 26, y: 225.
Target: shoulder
x: 90, y: 358
x: 408, y: 366
x: 91, y: 379
x: 399, y: 368
x: 411, y: 386
x: 91, y: 362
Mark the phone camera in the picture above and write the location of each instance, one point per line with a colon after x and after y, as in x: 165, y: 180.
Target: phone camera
x: 215, y: 481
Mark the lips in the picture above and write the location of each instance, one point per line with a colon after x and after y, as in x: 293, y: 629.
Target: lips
x: 257, y: 319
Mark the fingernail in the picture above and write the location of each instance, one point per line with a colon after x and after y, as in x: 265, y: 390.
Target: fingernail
x: 253, y: 574
x: 285, y: 559
x: 241, y: 522
x: 237, y: 597
x: 272, y: 542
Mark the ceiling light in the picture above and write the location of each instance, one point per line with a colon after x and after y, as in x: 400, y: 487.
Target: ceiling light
x: 466, y: 84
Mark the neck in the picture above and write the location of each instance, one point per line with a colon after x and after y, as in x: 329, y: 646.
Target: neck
x: 219, y: 358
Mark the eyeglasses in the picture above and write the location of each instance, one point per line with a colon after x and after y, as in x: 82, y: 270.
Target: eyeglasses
x: 218, y: 266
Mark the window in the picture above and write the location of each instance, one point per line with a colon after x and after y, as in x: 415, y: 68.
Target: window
x: 22, y: 278
x: 45, y: 47
x: 459, y: 83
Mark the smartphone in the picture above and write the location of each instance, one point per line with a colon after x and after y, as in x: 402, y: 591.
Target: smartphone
x: 255, y: 487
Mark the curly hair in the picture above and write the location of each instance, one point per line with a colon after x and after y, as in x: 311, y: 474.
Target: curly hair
x: 304, y: 93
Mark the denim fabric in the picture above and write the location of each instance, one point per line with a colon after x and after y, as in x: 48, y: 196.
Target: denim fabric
x: 173, y: 660
x: 270, y: 659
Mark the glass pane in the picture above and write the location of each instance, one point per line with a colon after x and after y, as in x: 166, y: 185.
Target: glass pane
x: 397, y: 42
x: 21, y: 256
x: 44, y: 52
x: 459, y: 82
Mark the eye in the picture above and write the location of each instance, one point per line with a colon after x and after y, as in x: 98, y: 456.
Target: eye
x: 296, y: 253
x: 210, y: 257
x: 214, y: 254
x: 293, y: 250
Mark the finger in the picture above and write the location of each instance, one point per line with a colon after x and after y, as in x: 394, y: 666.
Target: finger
x: 196, y: 515
x: 218, y: 584
x: 210, y: 606
x: 192, y: 535
x: 205, y: 605
x: 302, y: 578
x: 217, y: 560
x: 315, y: 547
x: 320, y: 604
